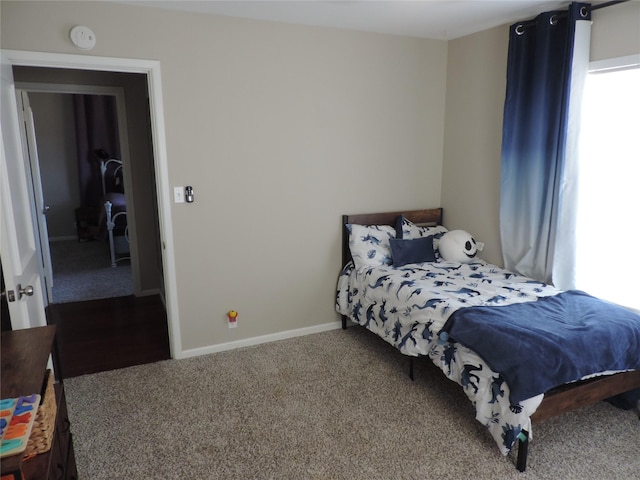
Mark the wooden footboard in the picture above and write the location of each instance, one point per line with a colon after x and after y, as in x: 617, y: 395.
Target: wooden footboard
x: 577, y: 395
x: 587, y: 392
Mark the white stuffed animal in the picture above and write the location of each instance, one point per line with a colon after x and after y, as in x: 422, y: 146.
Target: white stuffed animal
x: 459, y: 246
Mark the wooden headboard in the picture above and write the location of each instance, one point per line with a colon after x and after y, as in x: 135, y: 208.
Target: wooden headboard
x: 431, y: 216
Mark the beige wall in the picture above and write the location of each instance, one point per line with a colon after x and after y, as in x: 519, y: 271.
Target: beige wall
x: 616, y: 31
x: 476, y: 85
x: 280, y: 129
x: 473, y: 133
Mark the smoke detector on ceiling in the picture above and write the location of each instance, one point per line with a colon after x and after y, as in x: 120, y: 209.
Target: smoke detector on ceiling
x: 83, y: 37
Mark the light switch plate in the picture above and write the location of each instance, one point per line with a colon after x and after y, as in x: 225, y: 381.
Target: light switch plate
x: 178, y: 194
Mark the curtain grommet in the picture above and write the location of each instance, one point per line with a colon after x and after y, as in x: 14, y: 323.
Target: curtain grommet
x: 553, y: 20
x: 519, y: 29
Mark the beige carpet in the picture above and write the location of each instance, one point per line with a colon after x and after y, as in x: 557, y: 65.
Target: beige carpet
x: 334, y: 405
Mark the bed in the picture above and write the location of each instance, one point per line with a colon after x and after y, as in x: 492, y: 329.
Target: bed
x: 412, y: 306
x: 113, y: 217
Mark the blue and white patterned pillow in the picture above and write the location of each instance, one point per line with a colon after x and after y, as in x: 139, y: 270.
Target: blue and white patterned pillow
x: 411, y: 231
x: 369, y: 244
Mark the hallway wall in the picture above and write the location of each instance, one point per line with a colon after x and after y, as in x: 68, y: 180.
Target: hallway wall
x: 55, y: 134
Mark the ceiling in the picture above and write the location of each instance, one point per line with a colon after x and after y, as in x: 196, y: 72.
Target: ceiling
x: 435, y: 19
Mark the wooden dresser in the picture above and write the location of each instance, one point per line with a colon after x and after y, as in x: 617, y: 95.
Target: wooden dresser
x: 25, y: 354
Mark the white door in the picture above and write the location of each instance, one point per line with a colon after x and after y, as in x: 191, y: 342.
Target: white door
x: 21, y: 259
x: 30, y: 151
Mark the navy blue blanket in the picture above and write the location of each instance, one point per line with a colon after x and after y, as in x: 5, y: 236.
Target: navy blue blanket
x: 539, y: 345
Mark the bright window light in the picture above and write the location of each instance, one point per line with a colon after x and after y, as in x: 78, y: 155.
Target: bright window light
x: 608, y: 230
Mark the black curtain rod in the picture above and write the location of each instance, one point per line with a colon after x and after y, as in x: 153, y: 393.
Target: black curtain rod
x: 608, y: 4
x: 529, y: 23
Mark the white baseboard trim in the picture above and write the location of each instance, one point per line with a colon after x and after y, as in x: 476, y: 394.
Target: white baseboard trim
x: 248, y: 342
x: 149, y: 292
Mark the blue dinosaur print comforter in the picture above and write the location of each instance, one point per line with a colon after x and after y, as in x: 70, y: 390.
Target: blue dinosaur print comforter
x: 409, y: 306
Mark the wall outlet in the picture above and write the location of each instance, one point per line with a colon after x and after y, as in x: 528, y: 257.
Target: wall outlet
x: 178, y: 194
x: 232, y: 318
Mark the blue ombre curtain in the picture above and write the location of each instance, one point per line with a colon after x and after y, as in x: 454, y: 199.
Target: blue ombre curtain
x: 547, y: 65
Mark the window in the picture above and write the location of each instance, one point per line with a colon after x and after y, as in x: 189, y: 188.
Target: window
x: 608, y: 228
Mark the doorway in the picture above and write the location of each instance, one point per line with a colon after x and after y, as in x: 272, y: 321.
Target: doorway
x: 87, y: 109
x: 160, y: 208
x: 65, y: 127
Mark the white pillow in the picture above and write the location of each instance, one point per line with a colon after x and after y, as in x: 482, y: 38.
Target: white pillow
x: 411, y: 231
x: 369, y: 244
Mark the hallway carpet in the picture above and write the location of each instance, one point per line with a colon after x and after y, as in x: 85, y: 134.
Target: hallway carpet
x: 82, y: 271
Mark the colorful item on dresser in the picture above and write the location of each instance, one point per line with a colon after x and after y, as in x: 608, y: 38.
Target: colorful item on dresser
x: 16, y: 421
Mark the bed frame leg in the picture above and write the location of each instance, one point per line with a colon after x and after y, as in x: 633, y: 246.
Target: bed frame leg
x: 523, y: 450
x: 344, y: 322
x: 411, y: 368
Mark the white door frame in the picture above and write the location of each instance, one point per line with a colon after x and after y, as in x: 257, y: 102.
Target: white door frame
x: 151, y: 68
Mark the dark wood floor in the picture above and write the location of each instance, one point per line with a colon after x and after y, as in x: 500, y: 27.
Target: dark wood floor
x: 100, y: 335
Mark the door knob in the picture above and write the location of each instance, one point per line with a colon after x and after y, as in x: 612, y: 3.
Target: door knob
x: 28, y: 291
x: 45, y: 209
